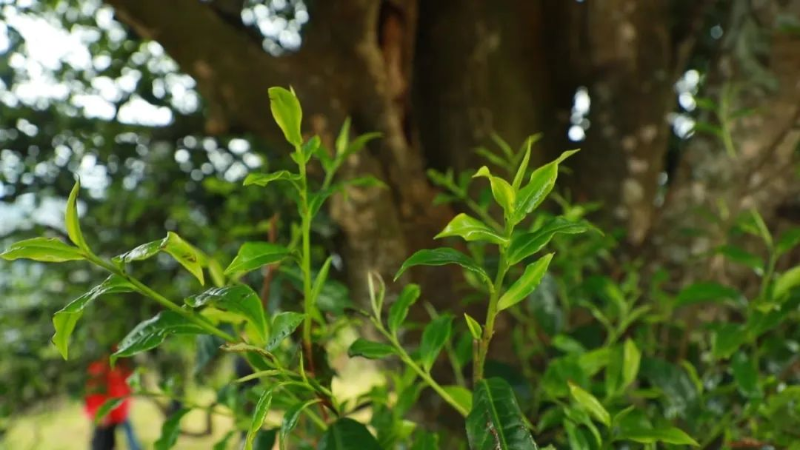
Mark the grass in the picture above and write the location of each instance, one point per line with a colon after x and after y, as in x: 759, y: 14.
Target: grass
x: 63, y: 425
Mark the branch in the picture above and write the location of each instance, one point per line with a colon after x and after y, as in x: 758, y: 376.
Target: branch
x: 224, y: 59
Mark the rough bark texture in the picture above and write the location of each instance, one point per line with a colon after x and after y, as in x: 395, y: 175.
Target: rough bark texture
x: 356, y: 61
x: 436, y: 77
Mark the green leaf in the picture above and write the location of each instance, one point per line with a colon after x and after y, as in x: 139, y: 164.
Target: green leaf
x: 106, y: 408
x: 319, y: 281
x: 526, y: 284
x: 507, y: 150
x: 42, y: 250
x: 474, y: 327
x: 184, y: 253
x: 745, y: 372
x: 376, y: 297
x: 704, y: 292
x: 743, y: 257
x: 461, y: 395
x: 287, y: 113
x: 541, y: 183
x: 152, y: 332
x: 265, y: 439
x: 347, y: 434
x: 253, y: 255
x: 139, y: 253
x: 64, y: 321
x: 425, y: 441
x: 589, y: 403
x: 357, y: 145
x: 344, y: 137
x: 560, y: 372
x: 283, y: 324
x: 788, y: 240
x: 260, y: 413
x: 726, y: 340
x: 440, y: 257
x: 170, y: 430
x: 523, y: 167
x: 669, y: 435
x: 524, y: 245
x: 786, y: 282
x: 71, y: 220
x: 632, y: 358
x: 754, y: 224
x: 495, y: 421
x: 436, y: 334
x: 188, y: 256
x: 471, y: 229
x: 497, y: 160
x: 503, y: 193
x: 577, y: 440
x: 290, y: 419
x: 310, y: 148
x: 263, y: 179
x: 399, y: 310
x: 239, y: 299
x: 370, y: 349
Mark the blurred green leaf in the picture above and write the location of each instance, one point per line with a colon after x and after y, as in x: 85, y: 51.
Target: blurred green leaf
x: 42, y: 250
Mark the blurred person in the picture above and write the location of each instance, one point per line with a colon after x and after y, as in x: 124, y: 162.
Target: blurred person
x: 105, y: 383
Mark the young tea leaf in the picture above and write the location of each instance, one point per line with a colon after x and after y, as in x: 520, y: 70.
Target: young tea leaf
x: 260, y: 413
x: 632, y: 357
x: 347, y: 434
x: 503, y: 193
x: 170, y: 430
x: 152, y: 332
x: 140, y: 253
x: 253, y: 255
x: 440, y: 257
x: 42, y: 250
x: 283, y: 325
x: 287, y: 113
x: 370, y: 349
x: 184, y: 253
x: 474, y: 327
x: 461, y: 395
x: 527, y: 244
x: 669, y: 435
x: 105, y: 409
x: 263, y: 179
x: 495, y: 421
x: 399, y: 310
x: 471, y: 229
x: 290, y: 419
x: 436, y: 334
x: 71, y: 220
x: 589, y: 403
x: 239, y: 299
x: 541, y: 183
x: 64, y: 320
x: 526, y: 284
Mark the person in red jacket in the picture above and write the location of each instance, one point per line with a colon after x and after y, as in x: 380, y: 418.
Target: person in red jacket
x: 105, y: 383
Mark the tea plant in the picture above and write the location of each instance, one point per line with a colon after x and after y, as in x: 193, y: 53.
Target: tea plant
x: 596, y: 369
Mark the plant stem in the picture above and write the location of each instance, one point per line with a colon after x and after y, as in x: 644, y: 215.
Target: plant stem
x: 305, y: 264
x: 494, y: 296
x: 160, y: 299
x: 406, y: 358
